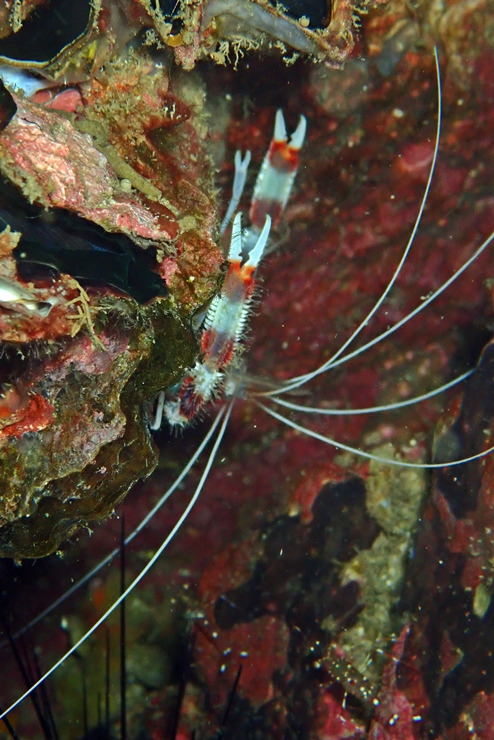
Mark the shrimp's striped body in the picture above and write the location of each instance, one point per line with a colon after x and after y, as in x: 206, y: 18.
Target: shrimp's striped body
x: 223, y: 328
x: 225, y: 320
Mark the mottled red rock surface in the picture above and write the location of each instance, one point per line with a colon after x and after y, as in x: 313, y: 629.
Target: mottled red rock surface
x: 313, y: 593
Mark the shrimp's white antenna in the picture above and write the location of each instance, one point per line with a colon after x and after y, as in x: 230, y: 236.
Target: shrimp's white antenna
x: 372, y: 409
x: 224, y: 415
x: 419, y: 308
x: 142, y: 524
x: 369, y: 455
x: 299, y: 380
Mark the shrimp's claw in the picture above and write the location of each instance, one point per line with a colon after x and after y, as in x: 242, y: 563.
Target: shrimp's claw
x: 257, y: 251
x: 241, y: 169
x: 277, y: 174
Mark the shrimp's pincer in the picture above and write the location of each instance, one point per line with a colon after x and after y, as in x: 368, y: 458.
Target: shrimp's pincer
x: 277, y: 174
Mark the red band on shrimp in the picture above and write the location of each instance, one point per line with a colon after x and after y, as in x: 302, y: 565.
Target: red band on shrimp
x: 282, y: 157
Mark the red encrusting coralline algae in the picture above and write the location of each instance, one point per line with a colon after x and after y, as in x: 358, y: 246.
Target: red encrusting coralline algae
x: 355, y: 597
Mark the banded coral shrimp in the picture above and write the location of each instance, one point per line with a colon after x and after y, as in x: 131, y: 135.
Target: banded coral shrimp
x: 279, y: 526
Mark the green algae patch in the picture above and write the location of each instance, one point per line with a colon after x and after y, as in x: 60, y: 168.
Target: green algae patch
x: 80, y: 465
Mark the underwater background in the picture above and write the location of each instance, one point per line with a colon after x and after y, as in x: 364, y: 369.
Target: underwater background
x: 311, y: 593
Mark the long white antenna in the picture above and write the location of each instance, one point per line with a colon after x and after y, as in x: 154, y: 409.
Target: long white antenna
x: 299, y: 380
x: 369, y: 455
x: 108, y: 558
x: 224, y: 412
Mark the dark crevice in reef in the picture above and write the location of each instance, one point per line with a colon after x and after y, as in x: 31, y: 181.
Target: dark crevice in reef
x: 453, y: 543
x: 297, y: 575
x: 297, y: 579
x: 460, y: 484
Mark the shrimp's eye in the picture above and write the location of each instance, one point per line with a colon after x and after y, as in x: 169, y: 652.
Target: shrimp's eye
x: 317, y: 12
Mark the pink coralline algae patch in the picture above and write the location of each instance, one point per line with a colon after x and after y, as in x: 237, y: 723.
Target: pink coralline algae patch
x: 394, y: 716
x: 415, y: 160
x: 67, y: 100
x: 335, y: 721
x: 46, y: 156
x: 130, y: 215
x: 355, y: 597
x: 304, y: 496
x: 257, y: 648
x: 478, y: 717
x: 29, y: 414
